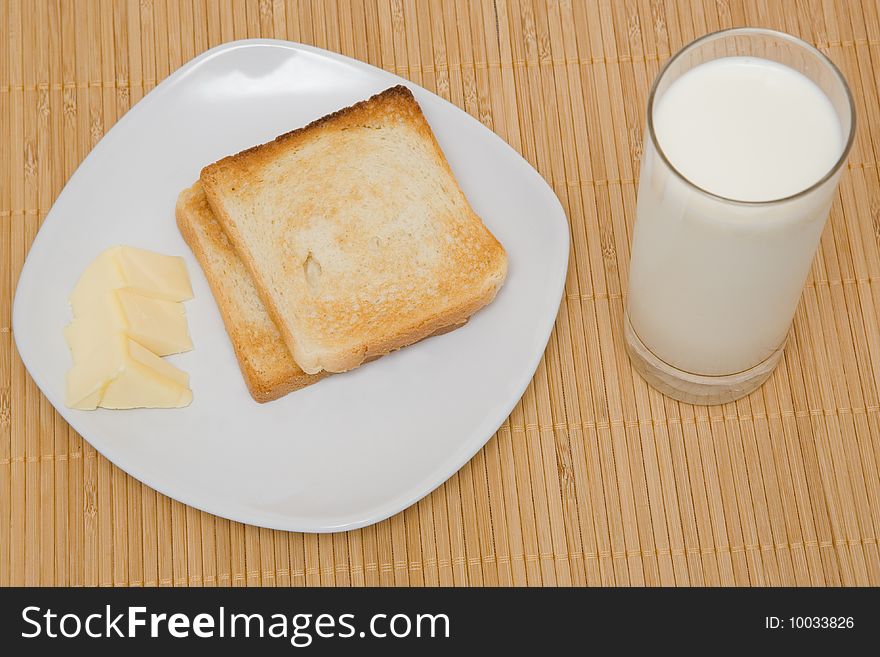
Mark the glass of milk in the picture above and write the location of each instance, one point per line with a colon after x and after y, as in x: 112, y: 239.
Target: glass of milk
x: 747, y: 133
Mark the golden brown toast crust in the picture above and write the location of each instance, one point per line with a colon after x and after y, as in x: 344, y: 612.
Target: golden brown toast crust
x: 265, y: 362
x: 450, y: 269
x: 263, y: 151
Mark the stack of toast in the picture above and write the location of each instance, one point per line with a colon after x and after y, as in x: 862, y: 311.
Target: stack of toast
x: 337, y: 243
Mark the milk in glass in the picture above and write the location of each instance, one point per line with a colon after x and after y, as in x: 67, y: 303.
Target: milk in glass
x: 715, y: 273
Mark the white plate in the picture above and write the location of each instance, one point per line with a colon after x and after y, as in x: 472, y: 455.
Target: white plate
x: 354, y: 448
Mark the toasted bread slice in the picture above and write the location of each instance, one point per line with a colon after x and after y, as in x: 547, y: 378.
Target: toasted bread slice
x: 266, y: 364
x: 357, y: 233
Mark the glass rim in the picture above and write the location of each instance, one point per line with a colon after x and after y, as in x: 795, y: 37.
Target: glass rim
x: 835, y: 168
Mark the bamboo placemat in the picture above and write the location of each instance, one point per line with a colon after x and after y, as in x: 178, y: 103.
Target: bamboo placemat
x: 595, y: 478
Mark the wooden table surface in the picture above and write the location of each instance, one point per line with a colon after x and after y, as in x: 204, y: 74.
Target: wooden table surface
x: 595, y: 478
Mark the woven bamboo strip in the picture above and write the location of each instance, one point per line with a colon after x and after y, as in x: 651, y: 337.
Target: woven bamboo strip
x: 17, y: 248
x: 69, y: 476
x: 6, y: 348
x: 517, y: 462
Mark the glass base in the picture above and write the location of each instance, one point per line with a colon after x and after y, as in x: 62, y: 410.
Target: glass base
x: 695, y: 388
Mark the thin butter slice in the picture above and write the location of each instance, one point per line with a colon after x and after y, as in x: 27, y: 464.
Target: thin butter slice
x: 147, y: 381
x: 123, y: 374
x: 102, y: 274
x: 144, y: 272
x: 158, y: 325
x: 154, y: 274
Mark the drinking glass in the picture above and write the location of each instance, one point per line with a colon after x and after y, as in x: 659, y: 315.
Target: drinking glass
x: 714, y: 282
